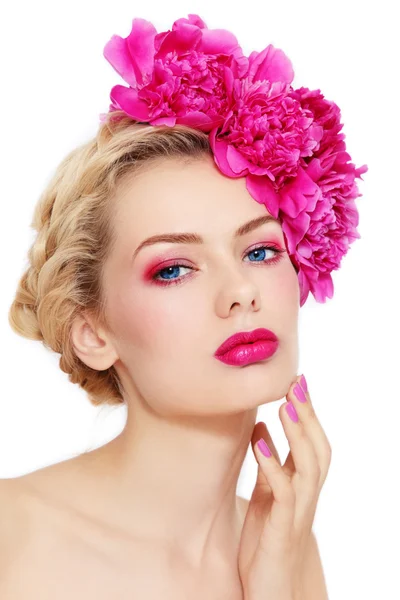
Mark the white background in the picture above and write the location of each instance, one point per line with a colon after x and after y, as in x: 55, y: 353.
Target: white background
x: 55, y: 82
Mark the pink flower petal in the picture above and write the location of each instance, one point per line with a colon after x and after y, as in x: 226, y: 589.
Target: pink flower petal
x: 117, y: 54
x: 300, y: 195
x: 219, y: 149
x: 199, y: 120
x: 237, y: 161
x: 140, y: 42
x: 218, y: 41
x: 304, y: 287
x: 192, y: 19
x: 324, y: 289
x: 262, y: 190
x: 187, y: 37
x: 170, y: 121
x: 294, y: 230
x: 127, y: 100
x: 270, y: 64
x: 305, y: 249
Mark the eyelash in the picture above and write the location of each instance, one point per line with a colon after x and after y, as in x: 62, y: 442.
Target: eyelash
x: 179, y: 280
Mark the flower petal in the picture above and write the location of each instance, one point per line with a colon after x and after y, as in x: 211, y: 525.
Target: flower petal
x: 294, y: 230
x: 117, y: 53
x: 192, y: 19
x: 220, y: 149
x: 140, y: 42
x: 127, y: 100
x: 238, y: 163
x: 199, y: 120
x: 218, y: 41
x: 169, y: 121
x: 187, y: 37
x: 300, y: 195
x: 262, y: 190
x: 270, y: 64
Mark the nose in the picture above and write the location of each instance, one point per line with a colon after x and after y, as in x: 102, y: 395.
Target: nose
x: 237, y: 292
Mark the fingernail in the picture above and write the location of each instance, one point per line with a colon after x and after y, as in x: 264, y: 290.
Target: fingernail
x: 303, y: 383
x: 291, y: 411
x: 262, y: 444
x: 298, y: 392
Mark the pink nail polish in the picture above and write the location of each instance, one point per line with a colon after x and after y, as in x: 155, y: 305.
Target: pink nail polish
x: 298, y: 392
x: 262, y: 444
x: 291, y: 411
x: 303, y: 383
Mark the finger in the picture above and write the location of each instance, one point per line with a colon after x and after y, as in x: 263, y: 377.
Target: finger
x: 260, y: 431
x: 302, y: 460
x: 278, y: 526
x: 262, y: 487
x: 288, y: 466
x: 306, y: 476
x: 299, y: 397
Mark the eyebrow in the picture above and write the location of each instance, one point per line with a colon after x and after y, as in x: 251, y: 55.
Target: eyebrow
x: 195, y: 238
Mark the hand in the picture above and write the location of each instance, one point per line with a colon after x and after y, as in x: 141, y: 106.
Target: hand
x: 282, y: 507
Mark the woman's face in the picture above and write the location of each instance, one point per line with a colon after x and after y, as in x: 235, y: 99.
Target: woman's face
x: 167, y: 322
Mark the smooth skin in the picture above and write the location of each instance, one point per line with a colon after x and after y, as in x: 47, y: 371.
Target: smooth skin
x: 154, y: 512
x: 276, y: 534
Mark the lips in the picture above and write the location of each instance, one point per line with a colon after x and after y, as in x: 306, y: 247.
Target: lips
x: 246, y: 337
x: 248, y: 347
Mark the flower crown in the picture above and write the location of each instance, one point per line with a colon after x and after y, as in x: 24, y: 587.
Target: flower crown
x: 286, y: 142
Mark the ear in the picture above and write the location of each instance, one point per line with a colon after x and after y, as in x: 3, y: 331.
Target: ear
x: 93, y: 347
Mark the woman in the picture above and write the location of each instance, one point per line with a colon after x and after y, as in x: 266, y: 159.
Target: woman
x: 148, y: 259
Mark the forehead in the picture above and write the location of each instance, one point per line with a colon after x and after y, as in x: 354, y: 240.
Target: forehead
x: 172, y: 195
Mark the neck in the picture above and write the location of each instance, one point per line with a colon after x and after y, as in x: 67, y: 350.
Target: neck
x: 173, y: 481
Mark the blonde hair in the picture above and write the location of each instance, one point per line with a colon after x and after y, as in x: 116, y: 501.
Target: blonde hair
x: 74, y: 237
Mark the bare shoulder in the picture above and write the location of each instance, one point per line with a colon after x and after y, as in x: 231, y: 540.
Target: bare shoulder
x: 33, y: 503
x: 13, y: 509
x: 15, y: 522
x: 25, y: 521
x: 31, y: 527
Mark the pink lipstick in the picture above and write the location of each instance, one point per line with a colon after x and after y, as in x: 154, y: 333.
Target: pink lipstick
x: 248, y: 347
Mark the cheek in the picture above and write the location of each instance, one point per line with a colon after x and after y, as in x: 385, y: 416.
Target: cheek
x: 151, y: 323
x: 283, y: 293
x: 288, y: 286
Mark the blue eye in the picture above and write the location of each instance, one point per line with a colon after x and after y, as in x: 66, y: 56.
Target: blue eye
x: 258, y: 250
x: 173, y: 269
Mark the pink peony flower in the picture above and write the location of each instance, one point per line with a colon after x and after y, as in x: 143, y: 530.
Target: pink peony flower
x: 267, y: 131
x: 178, y: 76
x: 318, y: 213
x: 325, y: 113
